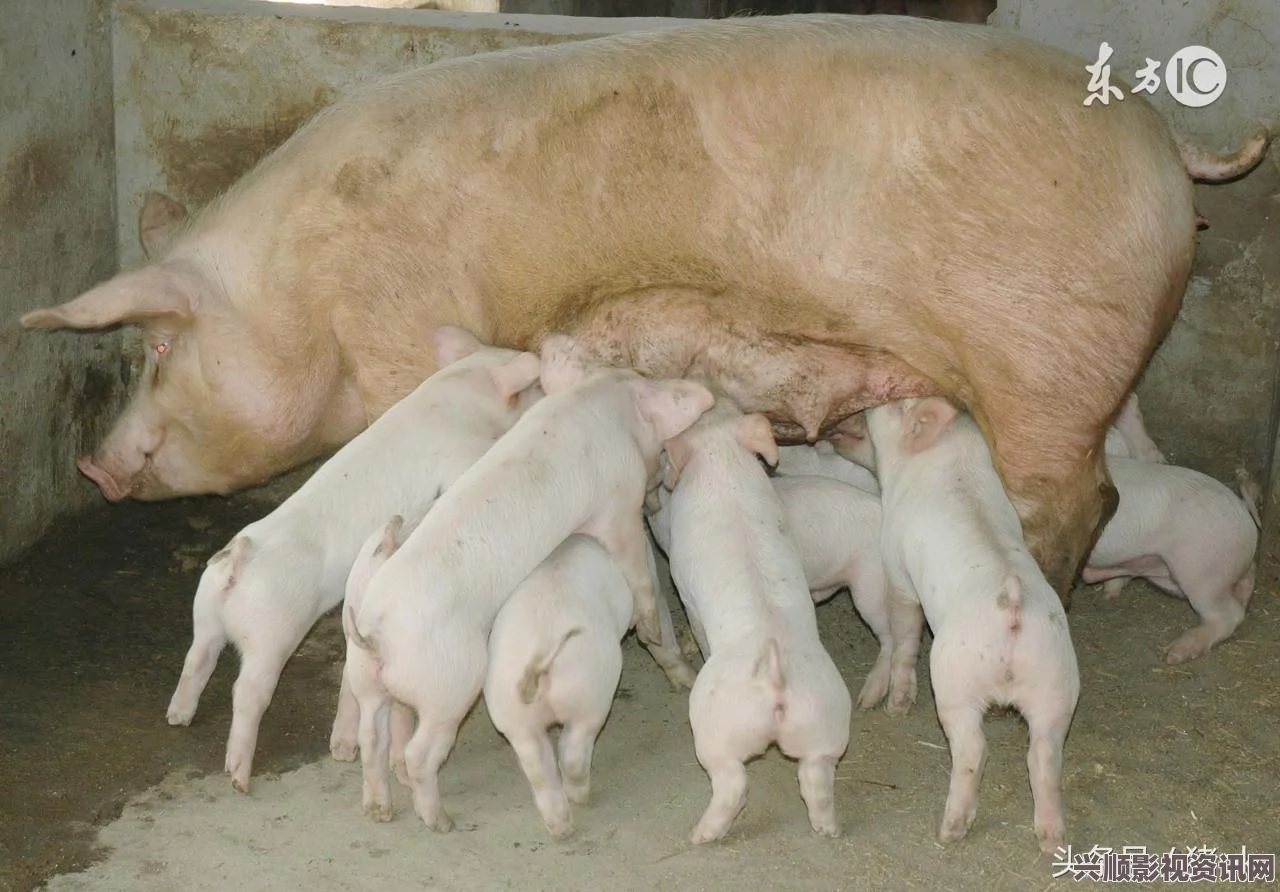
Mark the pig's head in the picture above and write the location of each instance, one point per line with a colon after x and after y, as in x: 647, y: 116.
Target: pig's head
x: 224, y: 400
x: 669, y: 407
x: 724, y: 425
x: 504, y: 381
x: 907, y: 427
x: 850, y: 441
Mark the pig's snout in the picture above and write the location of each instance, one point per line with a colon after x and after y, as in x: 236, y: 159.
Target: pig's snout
x: 111, y: 490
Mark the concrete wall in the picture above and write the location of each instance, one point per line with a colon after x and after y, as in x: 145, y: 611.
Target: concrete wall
x: 57, y: 391
x: 1210, y: 395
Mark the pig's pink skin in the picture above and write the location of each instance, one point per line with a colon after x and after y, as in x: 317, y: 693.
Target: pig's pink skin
x: 954, y: 554
x: 717, y: 200
x: 566, y: 619
x: 767, y: 678
x: 1187, y: 534
x: 579, y: 461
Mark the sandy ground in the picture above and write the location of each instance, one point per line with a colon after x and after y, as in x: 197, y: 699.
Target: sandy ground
x: 98, y: 793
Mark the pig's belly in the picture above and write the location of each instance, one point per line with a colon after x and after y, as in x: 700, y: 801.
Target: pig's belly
x: 805, y: 385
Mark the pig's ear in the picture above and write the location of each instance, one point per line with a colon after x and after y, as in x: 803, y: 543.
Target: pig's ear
x: 672, y: 406
x: 677, y: 458
x: 388, y: 544
x: 151, y: 295
x: 756, y: 433
x: 453, y: 343
x: 160, y: 220
x: 512, y: 377
x: 924, y: 421
x: 563, y: 363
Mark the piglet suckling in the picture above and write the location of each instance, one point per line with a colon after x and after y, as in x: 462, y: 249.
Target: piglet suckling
x: 954, y: 554
x: 767, y: 678
x: 579, y: 461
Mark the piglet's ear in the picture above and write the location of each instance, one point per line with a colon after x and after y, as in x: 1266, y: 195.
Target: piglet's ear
x: 160, y: 220
x: 151, y: 295
x: 564, y: 363
x: 453, y: 343
x: 924, y: 421
x: 756, y: 433
x: 671, y: 406
x: 512, y: 377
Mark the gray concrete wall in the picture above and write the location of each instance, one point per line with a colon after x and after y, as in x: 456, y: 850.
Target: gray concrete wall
x: 1209, y: 395
x: 57, y: 231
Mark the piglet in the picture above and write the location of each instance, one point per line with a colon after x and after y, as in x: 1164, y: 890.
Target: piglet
x: 953, y: 545
x: 554, y: 659
x: 578, y: 462
x: 280, y: 574
x: 822, y: 460
x: 767, y: 678
x: 1187, y: 534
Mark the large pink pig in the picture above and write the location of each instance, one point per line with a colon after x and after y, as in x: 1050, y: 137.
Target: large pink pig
x: 817, y: 213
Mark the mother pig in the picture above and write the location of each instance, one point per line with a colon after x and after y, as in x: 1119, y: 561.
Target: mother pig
x: 819, y: 213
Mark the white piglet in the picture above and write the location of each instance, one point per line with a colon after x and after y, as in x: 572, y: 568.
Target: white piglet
x: 835, y: 528
x: 953, y: 545
x: 579, y: 461
x: 280, y: 574
x: 1189, y: 535
x: 555, y: 659
x: 822, y: 460
x: 767, y: 678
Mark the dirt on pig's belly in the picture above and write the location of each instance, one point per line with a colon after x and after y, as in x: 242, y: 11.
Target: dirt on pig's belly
x: 804, y: 385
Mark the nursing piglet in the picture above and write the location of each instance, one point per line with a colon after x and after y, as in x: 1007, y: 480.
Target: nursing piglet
x: 578, y: 461
x: 555, y: 659
x: 767, y: 678
x: 281, y: 573
x: 822, y: 460
x: 953, y: 545
x: 1187, y: 534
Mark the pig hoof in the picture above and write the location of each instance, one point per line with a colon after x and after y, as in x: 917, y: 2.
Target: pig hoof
x: 180, y: 716
x: 953, y: 830
x: 578, y: 795
x: 560, y: 832
x: 829, y: 830
x: 898, y: 706
x: 701, y: 836
x: 379, y: 811
x: 402, y: 773
x: 1182, y: 651
x: 240, y: 786
x: 440, y: 822
x: 681, y: 676
x: 343, y: 750
x: 1051, y: 839
x: 872, y: 693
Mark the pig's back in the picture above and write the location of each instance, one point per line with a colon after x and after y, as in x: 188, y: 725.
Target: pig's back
x: 604, y: 164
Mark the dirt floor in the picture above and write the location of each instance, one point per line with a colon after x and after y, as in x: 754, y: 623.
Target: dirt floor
x: 97, y: 792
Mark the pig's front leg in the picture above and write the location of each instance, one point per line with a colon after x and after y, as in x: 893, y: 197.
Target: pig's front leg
x: 668, y: 653
x: 343, y: 741
x: 622, y: 534
x: 906, y: 621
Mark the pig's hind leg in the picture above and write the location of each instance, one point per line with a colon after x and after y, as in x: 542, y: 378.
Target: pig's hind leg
x: 962, y: 723
x: 1048, y: 724
x: 818, y: 789
x: 1221, y: 608
x: 906, y: 619
x: 423, y: 755
x: 259, y: 673
x: 538, y: 761
x: 208, y: 639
